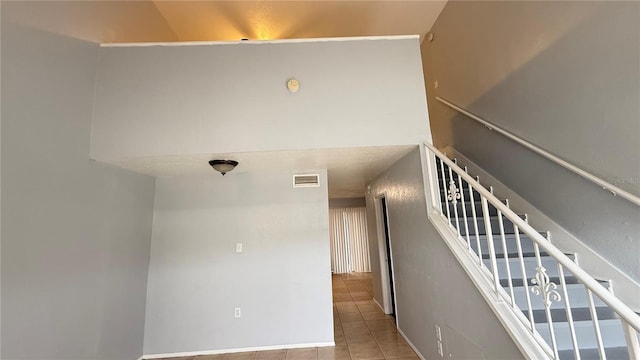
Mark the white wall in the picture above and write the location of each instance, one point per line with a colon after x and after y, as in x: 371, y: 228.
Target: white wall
x: 563, y: 75
x: 204, y: 99
x: 75, y: 234
x: 282, y: 280
x: 431, y: 286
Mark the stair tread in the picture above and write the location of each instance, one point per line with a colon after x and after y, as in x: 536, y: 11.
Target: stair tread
x: 515, y: 256
x: 615, y: 353
x: 579, y: 314
x: 554, y: 279
x: 569, y: 280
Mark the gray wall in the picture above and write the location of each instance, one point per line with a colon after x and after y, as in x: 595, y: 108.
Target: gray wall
x: 347, y: 202
x: 75, y: 234
x: 224, y: 98
x: 564, y: 76
x: 431, y: 287
x: 281, y: 280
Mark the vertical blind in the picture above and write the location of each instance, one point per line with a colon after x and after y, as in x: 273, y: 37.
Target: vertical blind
x: 349, y: 241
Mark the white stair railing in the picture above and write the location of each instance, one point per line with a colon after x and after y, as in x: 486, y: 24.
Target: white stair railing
x: 469, y: 227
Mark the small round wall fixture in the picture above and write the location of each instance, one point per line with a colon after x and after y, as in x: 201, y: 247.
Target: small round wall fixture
x: 223, y: 166
x: 293, y: 85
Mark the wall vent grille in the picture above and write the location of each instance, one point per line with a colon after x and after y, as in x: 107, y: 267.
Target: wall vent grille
x: 306, y: 180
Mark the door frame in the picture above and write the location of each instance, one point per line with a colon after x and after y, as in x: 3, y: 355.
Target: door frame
x: 388, y: 283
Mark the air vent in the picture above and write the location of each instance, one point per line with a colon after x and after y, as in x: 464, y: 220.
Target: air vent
x: 307, y: 180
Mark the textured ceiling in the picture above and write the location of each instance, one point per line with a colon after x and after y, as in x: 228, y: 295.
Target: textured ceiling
x: 169, y: 21
x: 349, y: 169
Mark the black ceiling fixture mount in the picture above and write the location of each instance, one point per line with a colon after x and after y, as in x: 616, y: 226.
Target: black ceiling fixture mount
x: 223, y: 166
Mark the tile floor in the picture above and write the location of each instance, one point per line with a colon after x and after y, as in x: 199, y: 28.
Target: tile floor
x: 362, y: 331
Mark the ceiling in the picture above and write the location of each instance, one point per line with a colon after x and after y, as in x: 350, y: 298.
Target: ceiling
x: 160, y: 21
x: 349, y: 170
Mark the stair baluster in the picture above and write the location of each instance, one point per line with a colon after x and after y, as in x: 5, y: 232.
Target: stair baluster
x: 554, y: 320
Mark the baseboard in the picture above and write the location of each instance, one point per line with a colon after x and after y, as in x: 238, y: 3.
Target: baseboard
x: 623, y: 286
x: 236, y: 350
x: 415, y: 349
x: 377, y: 303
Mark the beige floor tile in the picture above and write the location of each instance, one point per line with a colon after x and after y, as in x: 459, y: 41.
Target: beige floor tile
x: 302, y: 354
x: 356, y: 287
x: 241, y: 356
x: 395, y: 350
x: 272, y: 355
x: 358, y: 338
x: 339, y: 305
x: 375, y: 315
x: 368, y: 308
x: 334, y: 353
x: 365, y: 352
x: 388, y: 337
x: 388, y: 321
x: 356, y: 327
x: 351, y: 317
x: 340, y: 290
x: 345, y: 307
x: 381, y: 327
x: 207, y: 357
x: 360, y: 295
x: 353, y: 324
x: 364, y: 339
x: 342, y: 297
x: 365, y: 302
x: 340, y: 341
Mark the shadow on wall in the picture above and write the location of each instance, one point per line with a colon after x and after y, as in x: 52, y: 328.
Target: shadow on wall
x: 467, y: 56
x: 546, y: 72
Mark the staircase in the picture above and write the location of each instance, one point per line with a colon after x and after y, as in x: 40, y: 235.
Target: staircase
x: 574, y: 323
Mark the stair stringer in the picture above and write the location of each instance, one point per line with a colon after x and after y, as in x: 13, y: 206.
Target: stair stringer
x: 623, y: 286
x: 531, y: 345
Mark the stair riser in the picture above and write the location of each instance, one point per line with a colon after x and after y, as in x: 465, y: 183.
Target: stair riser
x: 530, y: 265
x: 614, y: 353
x: 495, y: 226
x: 512, y: 247
x: 611, y: 331
x: 465, y: 192
x: 577, y: 298
x: 468, y: 208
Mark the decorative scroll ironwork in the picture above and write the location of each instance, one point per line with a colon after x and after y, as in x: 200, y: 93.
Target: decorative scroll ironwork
x: 453, y: 193
x: 544, y: 287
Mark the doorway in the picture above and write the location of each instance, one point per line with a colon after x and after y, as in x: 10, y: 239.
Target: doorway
x: 386, y: 257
